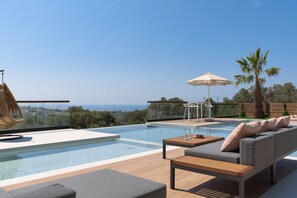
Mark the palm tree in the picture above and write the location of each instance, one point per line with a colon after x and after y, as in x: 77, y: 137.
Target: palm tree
x: 252, y: 67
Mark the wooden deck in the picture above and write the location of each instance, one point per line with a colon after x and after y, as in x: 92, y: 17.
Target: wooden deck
x: 188, y: 184
x: 192, y: 122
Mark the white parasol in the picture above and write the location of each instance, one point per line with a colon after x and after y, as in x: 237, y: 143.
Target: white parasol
x: 209, y: 79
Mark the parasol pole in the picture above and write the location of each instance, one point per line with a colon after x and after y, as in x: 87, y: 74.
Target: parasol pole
x: 209, y: 109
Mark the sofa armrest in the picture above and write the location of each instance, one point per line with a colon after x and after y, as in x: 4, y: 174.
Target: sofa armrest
x: 257, y: 151
x: 52, y: 191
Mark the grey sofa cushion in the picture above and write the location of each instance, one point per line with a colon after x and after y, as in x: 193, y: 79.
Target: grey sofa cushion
x: 108, y: 184
x: 213, y: 151
x: 51, y: 191
x: 4, y: 194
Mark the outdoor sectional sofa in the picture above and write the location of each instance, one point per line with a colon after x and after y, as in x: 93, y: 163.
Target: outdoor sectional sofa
x: 104, y: 184
x: 259, y: 151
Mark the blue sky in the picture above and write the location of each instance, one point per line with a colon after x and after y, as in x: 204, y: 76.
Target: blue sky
x: 132, y: 51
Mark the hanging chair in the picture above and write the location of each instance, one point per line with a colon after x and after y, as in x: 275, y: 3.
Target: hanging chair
x: 10, y: 113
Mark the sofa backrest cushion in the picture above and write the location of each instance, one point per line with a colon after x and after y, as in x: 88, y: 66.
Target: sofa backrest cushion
x: 285, y: 141
x: 282, y: 122
x: 242, y: 130
x: 267, y: 125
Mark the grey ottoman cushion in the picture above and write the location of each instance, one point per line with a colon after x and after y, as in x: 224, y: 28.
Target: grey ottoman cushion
x: 108, y: 184
x: 51, y: 191
x: 213, y: 151
x: 4, y: 194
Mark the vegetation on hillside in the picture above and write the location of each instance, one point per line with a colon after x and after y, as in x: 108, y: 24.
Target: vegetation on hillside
x: 82, y: 118
x: 275, y: 94
x: 135, y: 117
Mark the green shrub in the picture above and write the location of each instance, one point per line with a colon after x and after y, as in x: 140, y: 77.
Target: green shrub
x: 285, y: 113
x: 242, y: 114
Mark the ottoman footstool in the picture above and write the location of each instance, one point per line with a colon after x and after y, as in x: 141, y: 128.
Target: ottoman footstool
x: 105, y: 184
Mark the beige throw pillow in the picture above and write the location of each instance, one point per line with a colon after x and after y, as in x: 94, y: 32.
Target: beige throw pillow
x: 282, y: 122
x: 256, y: 126
x: 267, y: 125
x: 242, y: 130
x: 287, y: 119
x: 264, y: 126
x: 293, y: 118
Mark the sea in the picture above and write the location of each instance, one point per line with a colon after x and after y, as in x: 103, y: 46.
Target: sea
x: 118, y: 107
x: 92, y: 107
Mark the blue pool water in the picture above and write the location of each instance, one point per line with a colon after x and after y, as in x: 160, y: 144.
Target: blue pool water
x: 157, y: 134
x: 32, y: 161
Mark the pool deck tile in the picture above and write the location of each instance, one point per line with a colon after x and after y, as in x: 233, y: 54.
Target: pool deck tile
x: 191, y: 122
x: 52, y: 137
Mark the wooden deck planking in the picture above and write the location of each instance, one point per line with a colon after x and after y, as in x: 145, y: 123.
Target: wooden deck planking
x: 188, y: 184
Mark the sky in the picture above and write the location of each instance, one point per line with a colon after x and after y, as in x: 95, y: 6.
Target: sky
x: 133, y: 51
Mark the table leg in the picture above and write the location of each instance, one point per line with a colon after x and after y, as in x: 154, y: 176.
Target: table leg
x: 172, y: 176
x: 241, y: 188
x: 164, y: 150
x: 273, y: 173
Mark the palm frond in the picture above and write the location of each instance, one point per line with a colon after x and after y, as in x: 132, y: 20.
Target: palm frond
x: 244, y: 65
x: 251, y: 58
x: 258, y: 54
x: 240, y: 79
x: 273, y: 71
x: 264, y: 59
x: 249, y: 79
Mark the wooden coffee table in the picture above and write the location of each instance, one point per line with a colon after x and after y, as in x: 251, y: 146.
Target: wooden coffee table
x: 178, y: 141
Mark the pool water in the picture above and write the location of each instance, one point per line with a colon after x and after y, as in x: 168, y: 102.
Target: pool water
x: 32, y: 161
x: 157, y: 133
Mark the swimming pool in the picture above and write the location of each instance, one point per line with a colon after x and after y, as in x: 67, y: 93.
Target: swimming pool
x: 38, y: 160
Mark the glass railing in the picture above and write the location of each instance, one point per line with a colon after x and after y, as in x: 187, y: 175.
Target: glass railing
x: 165, y: 110
x: 42, y: 115
x: 168, y: 110
x: 225, y: 110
